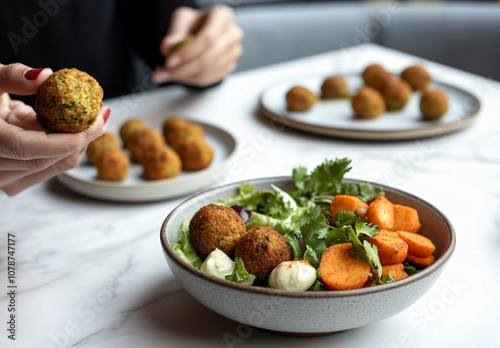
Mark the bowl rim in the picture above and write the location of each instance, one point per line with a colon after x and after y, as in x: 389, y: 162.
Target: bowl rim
x: 439, y: 262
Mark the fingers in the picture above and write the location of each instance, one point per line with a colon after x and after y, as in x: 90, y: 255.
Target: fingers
x: 20, y: 139
x: 28, y: 157
x: 211, y: 56
x: 182, y: 23
x: 22, y: 182
x: 20, y: 79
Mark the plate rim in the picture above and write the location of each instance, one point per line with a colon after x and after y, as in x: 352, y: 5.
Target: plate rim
x: 362, y: 134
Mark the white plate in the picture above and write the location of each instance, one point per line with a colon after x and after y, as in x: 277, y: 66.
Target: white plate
x: 335, y: 117
x: 82, y: 179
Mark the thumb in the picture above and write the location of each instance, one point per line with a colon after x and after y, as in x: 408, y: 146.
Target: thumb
x: 21, y: 79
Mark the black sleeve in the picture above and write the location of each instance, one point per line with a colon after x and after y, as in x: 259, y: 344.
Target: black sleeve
x: 147, y: 22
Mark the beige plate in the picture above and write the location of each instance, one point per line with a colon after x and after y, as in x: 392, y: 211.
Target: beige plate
x: 335, y: 117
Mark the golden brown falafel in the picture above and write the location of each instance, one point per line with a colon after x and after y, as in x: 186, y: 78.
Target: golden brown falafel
x: 161, y: 163
x: 144, y: 139
x: 374, y: 75
x: 396, y: 93
x: 97, y: 147
x: 417, y: 76
x: 171, y: 123
x: 433, y: 105
x: 215, y: 226
x: 299, y: 98
x: 334, y: 87
x: 368, y: 103
x: 262, y: 249
x: 176, y: 135
x: 130, y: 127
x: 68, y: 101
x: 195, y: 154
x: 113, y: 165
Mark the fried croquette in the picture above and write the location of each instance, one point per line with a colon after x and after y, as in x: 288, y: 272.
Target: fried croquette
x: 68, y: 101
x: 214, y: 226
x: 113, y: 165
x: 334, y: 87
x: 368, y: 103
x: 130, y: 127
x: 417, y: 77
x: 171, y: 123
x: 262, y: 249
x: 186, y: 40
x: 161, y: 163
x: 299, y: 98
x: 176, y: 135
x: 433, y: 105
x: 142, y: 140
x: 97, y: 147
x: 374, y: 75
x: 195, y: 154
x: 396, y: 93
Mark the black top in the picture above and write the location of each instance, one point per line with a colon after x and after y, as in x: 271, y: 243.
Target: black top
x: 115, y: 41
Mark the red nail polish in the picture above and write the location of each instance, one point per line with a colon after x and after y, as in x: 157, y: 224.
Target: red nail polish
x: 106, y: 115
x: 33, y: 74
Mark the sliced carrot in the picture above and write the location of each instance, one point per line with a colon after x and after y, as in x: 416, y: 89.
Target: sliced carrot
x: 340, y: 271
x: 421, y: 261
x: 381, y: 212
x: 348, y: 203
x: 418, y: 245
x: 391, y: 248
x: 406, y: 219
x: 397, y: 271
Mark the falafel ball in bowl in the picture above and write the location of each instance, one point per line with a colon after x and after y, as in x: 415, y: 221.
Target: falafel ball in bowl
x: 68, y: 101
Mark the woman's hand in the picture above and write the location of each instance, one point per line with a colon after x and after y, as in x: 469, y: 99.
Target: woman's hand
x: 28, y: 154
x: 210, y: 56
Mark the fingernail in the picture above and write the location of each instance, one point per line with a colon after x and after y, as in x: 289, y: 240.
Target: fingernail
x: 161, y: 76
x: 33, y: 74
x: 173, y: 62
x: 106, y: 115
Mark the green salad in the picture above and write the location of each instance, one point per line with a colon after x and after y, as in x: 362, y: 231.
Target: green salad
x: 303, y: 218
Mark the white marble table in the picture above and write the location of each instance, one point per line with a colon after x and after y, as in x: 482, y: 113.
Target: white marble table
x: 91, y: 273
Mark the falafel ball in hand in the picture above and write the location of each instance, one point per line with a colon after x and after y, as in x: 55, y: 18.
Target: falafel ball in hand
x: 68, y: 101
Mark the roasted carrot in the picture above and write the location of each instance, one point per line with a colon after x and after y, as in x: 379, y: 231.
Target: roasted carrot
x: 418, y: 245
x: 340, y: 271
x: 406, y: 219
x: 397, y: 271
x: 420, y: 261
x: 381, y: 212
x: 348, y: 203
x: 391, y: 248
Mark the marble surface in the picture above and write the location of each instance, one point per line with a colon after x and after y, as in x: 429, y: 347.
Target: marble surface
x: 91, y: 273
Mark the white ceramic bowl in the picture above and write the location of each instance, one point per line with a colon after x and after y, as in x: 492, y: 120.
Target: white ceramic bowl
x: 307, y: 313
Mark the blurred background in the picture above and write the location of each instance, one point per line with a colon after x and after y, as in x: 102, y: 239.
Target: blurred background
x: 460, y: 34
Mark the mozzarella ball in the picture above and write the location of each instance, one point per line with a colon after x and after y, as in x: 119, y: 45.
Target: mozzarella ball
x: 297, y: 275
x: 218, y: 264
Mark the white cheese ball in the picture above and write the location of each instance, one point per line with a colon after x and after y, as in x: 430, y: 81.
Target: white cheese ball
x: 218, y: 264
x: 297, y: 275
